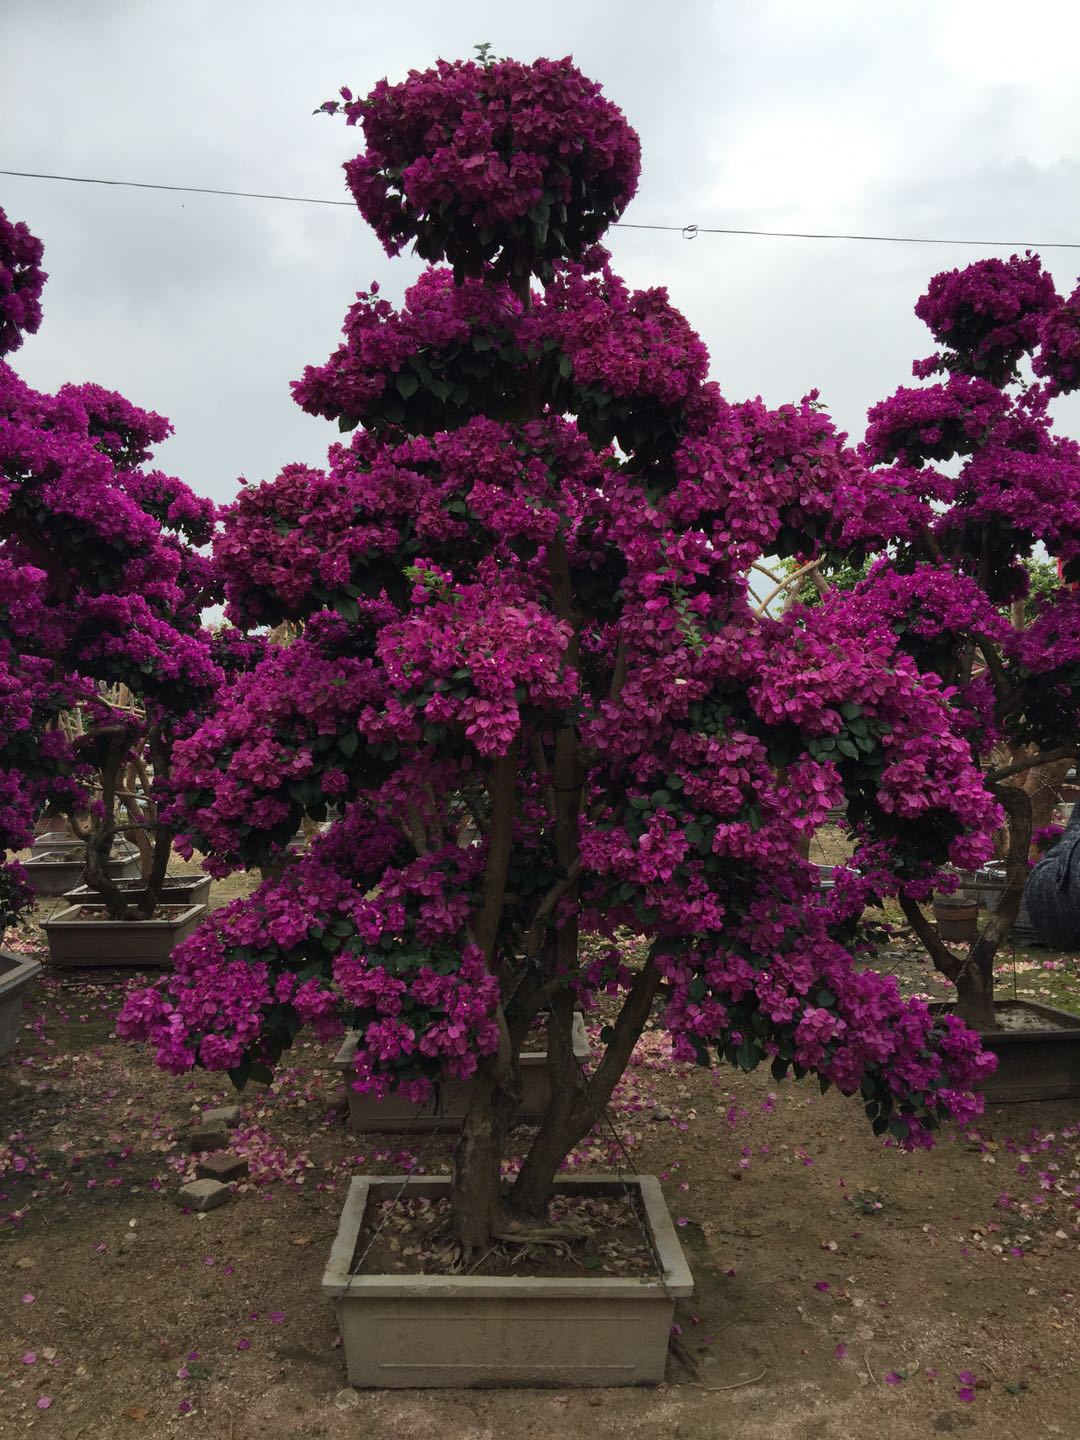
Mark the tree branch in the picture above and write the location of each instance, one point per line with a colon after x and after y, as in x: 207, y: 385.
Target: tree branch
x: 503, y: 789
x: 1046, y: 757
x: 947, y: 961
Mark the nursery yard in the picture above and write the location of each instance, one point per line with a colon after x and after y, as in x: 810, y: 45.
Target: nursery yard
x: 842, y: 1288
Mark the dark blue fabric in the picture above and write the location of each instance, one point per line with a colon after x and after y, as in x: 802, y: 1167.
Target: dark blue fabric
x: 1052, y: 892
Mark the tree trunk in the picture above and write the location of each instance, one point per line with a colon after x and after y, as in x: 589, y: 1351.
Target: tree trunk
x: 531, y: 1190
x: 975, y: 998
x: 533, y: 1185
x: 476, y: 1182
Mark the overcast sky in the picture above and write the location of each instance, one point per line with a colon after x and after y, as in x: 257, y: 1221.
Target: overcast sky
x: 927, y: 117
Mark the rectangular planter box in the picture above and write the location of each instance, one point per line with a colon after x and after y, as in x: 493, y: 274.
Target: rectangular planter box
x: 175, y: 891
x: 446, y: 1110
x: 54, y: 873
x: 116, y: 942
x: 1041, y: 1064
x: 455, y: 1331
x: 16, y: 972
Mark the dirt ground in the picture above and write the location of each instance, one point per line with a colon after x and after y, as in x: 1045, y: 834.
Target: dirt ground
x: 843, y: 1289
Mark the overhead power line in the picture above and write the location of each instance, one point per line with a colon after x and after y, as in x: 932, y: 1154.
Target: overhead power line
x: 688, y: 232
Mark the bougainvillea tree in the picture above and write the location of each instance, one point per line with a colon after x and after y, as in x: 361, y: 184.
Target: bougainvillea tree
x: 969, y: 493
x: 101, y: 584
x: 531, y: 685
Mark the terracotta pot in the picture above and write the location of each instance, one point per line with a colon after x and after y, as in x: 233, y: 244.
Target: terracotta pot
x: 446, y: 1110
x: 957, y: 917
x: 406, y: 1331
x: 16, y: 972
x: 103, y: 942
x: 1042, y: 1063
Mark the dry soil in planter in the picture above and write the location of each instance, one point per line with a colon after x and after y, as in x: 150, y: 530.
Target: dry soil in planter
x: 588, y: 1327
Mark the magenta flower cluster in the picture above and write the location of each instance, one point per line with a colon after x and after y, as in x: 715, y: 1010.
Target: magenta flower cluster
x: 21, y: 283
x: 988, y: 315
x: 517, y: 164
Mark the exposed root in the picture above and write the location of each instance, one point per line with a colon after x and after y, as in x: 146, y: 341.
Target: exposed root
x: 522, y: 1232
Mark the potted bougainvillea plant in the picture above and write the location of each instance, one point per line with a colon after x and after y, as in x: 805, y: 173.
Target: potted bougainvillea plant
x: 531, y: 682
x: 969, y: 490
x: 101, y: 585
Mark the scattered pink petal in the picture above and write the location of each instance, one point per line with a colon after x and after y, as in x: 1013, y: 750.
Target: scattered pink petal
x: 243, y: 1344
x: 892, y: 1378
x: 28, y: 1299
x: 682, y: 1220
x: 821, y: 1284
x: 840, y: 1352
x: 44, y: 1401
x: 184, y: 1407
x: 966, y: 1394
x: 966, y: 1377
x: 276, y: 1317
x: 29, y: 1358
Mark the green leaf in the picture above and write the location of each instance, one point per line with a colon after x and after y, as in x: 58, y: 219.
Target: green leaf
x: 349, y: 742
x: 347, y: 607
x: 566, y: 366
x: 747, y: 1056
x: 406, y: 384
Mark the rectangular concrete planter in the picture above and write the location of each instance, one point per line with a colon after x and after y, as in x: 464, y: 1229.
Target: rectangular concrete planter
x: 455, y: 1331
x: 446, y: 1110
x: 16, y: 972
x: 177, y: 890
x: 54, y: 873
x: 116, y: 942
x: 1041, y: 1064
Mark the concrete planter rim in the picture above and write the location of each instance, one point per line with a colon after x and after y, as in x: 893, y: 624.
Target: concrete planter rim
x: 82, y: 894
x: 67, y: 919
x: 676, y: 1283
x: 1019, y: 1037
x: 21, y: 970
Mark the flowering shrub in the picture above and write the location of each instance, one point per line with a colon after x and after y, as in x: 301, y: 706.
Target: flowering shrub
x: 21, y: 282
x: 988, y: 315
x: 530, y: 692
x: 952, y: 583
x: 491, y: 162
x: 99, y: 584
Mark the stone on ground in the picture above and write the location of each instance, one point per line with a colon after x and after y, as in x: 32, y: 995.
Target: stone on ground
x: 203, y: 1194
x: 207, y: 1137
x: 222, y: 1166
